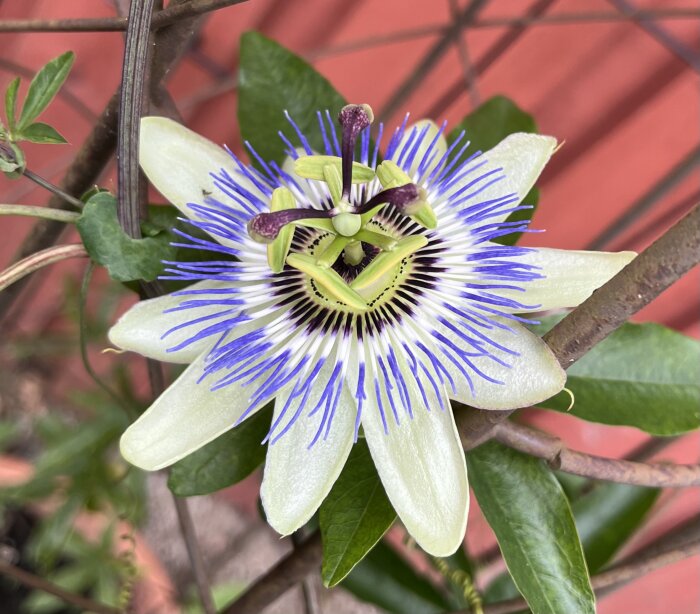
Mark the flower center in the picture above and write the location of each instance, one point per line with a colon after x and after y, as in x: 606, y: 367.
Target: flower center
x: 354, y: 260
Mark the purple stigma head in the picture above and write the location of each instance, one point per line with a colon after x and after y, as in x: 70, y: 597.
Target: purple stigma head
x: 265, y: 227
x: 353, y: 118
x: 402, y: 197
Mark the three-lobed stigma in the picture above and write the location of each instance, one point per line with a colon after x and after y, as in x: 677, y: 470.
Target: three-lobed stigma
x: 349, y: 219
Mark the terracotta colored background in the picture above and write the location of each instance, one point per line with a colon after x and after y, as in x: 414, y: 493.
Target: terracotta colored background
x: 626, y: 105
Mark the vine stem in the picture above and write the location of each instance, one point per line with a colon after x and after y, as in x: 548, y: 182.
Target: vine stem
x: 46, y: 213
x: 38, y: 261
x: 35, y: 582
x: 289, y: 571
x: 550, y: 448
x: 54, y: 189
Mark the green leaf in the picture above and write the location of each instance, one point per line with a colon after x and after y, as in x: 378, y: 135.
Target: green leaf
x: 354, y: 516
x: 44, y: 87
x: 487, y: 126
x: 643, y: 375
x: 607, y: 516
x: 11, y: 104
x: 125, y: 259
x: 271, y: 80
x: 225, y: 461
x: 530, y: 515
x: 387, y: 580
x: 40, y: 133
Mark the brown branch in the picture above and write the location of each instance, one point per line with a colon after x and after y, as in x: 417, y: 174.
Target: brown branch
x: 37, y: 583
x: 170, y: 15
x: 653, y: 271
x: 559, y: 457
x: 464, y: 57
x: 195, y: 554
x: 436, y: 52
x: 38, y: 260
x: 161, y: 19
x: 291, y: 570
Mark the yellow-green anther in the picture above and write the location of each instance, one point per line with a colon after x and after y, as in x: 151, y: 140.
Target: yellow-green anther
x: 385, y: 261
x: 282, y: 198
x: 347, y: 224
x: 277, y: 251
x: 329, y: 280
x: 380, y: 240
x: 425, y: 216
x: 332, y: 252
x: 311, y: 167
x: 332, y: 176
x: 390, y: 175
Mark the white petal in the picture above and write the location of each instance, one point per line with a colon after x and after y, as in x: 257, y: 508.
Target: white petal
x: 533, y: 376
x: 181, y: 420
x: 142, y: 327
x: 570, y: 276
x: 435, y: 152
x: 521, y: 157
x: 298, y: 478
x: 178, y: 162
x: 422, y: 467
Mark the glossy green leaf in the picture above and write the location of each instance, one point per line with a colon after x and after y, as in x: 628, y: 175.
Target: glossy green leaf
x: 643, y: 375
x: 607, y: 516
x: 39, y: 132
x: 44, y: 87
x: 388, y: 581
x: 225, y: 461
x: 354, y: 516
x: 125, y: 259
x: 530, y: 515
x: 271, y: 80
x: 487, y: 126
x: 11, y: 104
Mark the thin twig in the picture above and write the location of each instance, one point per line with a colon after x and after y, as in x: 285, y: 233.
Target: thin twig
x: 652, y: 196
x: 467, y: 66
x: 35, y: 582
x: 46, y: 213
x: 655, y: 269
x: 161, y: 19
x: 502, y: 44
x: 559, y: 457
x: 38, y: 261
x: 659, y: 34
x: 436, y: 52
x: 291, y: 570
x: 308, y: 585
x: 119, y: 24
x: 196, y: 560
x: 54, y: 189
x: 82, y: 333
x: 617, y: 575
